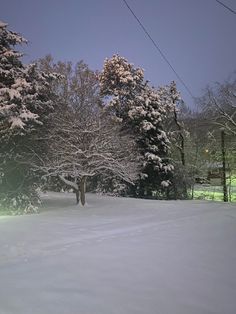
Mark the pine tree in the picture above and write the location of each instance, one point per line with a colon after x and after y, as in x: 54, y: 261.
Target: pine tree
x: 24, y: 108
x: 142, y: 110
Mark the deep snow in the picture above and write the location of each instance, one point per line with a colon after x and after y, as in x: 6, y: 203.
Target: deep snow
x: 119, y: 256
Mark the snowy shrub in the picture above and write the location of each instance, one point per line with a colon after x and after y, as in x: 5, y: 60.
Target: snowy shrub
x: 20, y: 203
x: 112, y: 186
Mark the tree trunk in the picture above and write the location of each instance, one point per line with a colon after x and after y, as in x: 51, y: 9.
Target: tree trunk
x: 230, y: 186
x: 74, y: 185
x: 225, y: 198
x: 192, y: 191
x: 82, y: 190
x: 182, y: 151
x: 77, y: 196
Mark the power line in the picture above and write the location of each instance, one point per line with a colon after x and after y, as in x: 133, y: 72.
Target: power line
x: 158, y: 48
x: 225, y: 6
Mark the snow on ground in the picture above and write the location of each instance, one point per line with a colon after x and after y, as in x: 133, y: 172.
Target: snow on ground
x: 119, y: 256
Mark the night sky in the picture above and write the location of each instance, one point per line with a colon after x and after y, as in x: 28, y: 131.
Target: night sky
x: 198, y: 37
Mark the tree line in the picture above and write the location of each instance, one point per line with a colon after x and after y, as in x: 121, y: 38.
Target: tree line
x: 63, y: 125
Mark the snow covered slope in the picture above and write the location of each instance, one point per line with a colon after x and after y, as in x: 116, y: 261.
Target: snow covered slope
x: 119, y: 256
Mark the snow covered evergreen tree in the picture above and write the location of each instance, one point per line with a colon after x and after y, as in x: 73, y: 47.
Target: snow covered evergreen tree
x: 143, y: 110
x: 24, y: 108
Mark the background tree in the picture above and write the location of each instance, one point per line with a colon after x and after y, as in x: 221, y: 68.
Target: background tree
x: 218, y: 105
x: 142, y: 110
x: 178, y: 133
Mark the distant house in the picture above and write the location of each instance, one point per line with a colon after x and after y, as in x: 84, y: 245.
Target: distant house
x: 215, y: 173
x: 201, y: 180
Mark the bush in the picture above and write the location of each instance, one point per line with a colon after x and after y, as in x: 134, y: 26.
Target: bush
x: 20, y: 203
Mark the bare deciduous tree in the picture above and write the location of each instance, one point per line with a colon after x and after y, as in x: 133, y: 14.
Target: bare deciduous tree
x: 219, y: 103
x: 84, y: 142
x: 83, y: 149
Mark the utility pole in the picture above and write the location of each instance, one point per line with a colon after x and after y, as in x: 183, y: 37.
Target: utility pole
x: 225, y: 199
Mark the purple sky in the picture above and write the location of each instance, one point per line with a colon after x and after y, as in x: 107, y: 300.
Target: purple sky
x: 197, y: 36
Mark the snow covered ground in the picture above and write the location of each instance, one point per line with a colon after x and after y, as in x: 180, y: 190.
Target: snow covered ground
x: 119, y: 256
